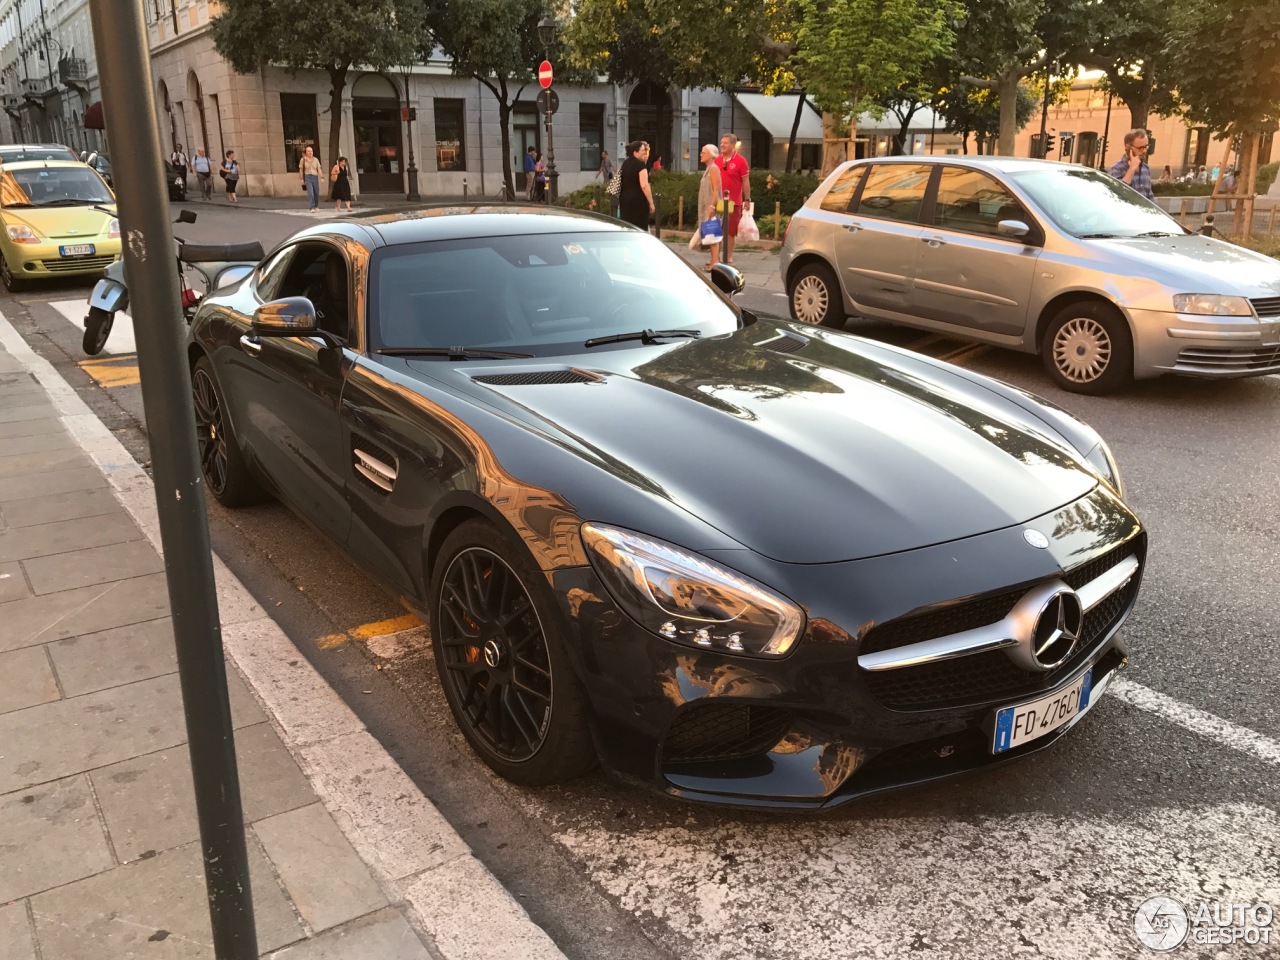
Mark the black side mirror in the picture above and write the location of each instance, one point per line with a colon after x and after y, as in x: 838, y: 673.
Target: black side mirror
x: 185, y: 216
x: 728, y: 280
x: 290, y: 317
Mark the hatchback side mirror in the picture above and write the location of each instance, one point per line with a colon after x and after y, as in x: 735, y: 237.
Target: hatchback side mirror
x: 289, y: 317
x: 728, y: 280
x: 1012, y: 228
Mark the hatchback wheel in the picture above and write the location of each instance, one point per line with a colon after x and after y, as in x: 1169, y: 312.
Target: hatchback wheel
x: 1088, y: 349
x: 12, y: 283
x: 816, y: 297
x: 506, y: 676
x: 223, y: 467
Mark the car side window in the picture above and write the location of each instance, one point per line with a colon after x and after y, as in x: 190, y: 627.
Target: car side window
x: 972, y: 202
x: 271, y: 273
x: 318, y: 271
x: 894, y: 191
x: 840, y: 195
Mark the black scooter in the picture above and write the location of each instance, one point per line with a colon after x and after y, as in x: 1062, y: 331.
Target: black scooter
x: 219, y: 264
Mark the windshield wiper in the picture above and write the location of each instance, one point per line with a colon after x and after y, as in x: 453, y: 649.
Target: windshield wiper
x: 644, y: 336
x: 70, y: 202
x: 1098, y: 236
x: 453, y: 353
x: 1156, y: 233
x: 18, y: 206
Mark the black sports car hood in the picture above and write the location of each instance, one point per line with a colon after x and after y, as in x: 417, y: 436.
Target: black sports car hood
x: 839, y: 451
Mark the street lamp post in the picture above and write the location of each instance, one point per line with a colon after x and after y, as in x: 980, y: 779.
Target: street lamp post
x: 412, y: 169
x: 548, y: 30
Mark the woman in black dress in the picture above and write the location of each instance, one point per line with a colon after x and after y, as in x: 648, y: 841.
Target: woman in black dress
x: 635, y: 199
x: 340, y: 192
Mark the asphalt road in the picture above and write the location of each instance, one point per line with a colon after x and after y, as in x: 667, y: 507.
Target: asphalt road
x: 1169, y: 786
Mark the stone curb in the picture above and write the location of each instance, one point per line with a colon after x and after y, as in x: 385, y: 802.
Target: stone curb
x: 406, y: 843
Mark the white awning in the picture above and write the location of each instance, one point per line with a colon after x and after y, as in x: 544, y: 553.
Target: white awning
x: 922, y: 120
x: 777, y: 114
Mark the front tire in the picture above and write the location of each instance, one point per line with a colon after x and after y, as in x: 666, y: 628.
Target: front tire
x: 12, y: 283
x: 1088, y: 349
x: 496, y: 634
x: 223, y: 467
x: 97, y: 328
x: 816, y: 297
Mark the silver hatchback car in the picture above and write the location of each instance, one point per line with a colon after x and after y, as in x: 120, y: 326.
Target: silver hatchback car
x: 1044, y: 257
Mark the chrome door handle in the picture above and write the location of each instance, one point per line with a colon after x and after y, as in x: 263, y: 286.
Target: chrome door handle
x: 934, y: 241
x: 251, y: 345
x: 853, y: 227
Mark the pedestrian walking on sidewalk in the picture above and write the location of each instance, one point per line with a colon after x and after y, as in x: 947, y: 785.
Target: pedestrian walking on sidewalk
x: 230, y: 172
x: 340, y: 192
x: 309, y: 172
x: 203, y: 168
x: 635, y: 199
x: 708, y: 193
x: 530, y: 165
x: 735, y: 176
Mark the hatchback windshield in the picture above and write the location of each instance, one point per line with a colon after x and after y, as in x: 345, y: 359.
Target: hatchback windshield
x: 52, y: 187
x: 542, y: 293
x: 1087, y: 203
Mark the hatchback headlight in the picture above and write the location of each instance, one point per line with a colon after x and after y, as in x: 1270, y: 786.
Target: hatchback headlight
x: 113, y: 229
x: 1212, y: 304
x: 1104, y: 462
x: 687, y: 599
x: 21, y: 233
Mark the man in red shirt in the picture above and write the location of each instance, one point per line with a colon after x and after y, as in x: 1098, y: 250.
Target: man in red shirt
x: 733, y: 174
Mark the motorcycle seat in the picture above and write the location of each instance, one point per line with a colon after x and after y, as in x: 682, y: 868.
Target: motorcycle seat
x: 219, y: 252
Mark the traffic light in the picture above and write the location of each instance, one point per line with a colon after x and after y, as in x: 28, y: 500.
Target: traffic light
x: 1151, y: 147
x: 1068, y: 144
x: 1049, y: 139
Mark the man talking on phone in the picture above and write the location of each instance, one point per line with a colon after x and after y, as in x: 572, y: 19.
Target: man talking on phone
x: 1132, y: 167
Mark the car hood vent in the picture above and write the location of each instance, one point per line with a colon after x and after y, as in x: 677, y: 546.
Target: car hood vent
x: 784, y: 343
x: 536, y: 377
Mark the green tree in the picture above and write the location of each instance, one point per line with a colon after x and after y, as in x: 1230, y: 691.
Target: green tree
x: 497, y: 43
x: 332, y: 37
x: 974, y: 111
x: 1128, y: 46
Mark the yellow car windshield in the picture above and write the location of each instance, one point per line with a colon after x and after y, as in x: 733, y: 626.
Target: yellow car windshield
x: 52, y: 187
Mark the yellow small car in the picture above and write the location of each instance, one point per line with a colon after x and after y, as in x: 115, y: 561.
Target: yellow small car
x: 57, y: 219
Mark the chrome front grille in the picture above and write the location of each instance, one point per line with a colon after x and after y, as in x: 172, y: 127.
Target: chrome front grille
x: 1227, y: 362
x: 1267, y: 306
x: 76, y: 264
x: 1108, y: 584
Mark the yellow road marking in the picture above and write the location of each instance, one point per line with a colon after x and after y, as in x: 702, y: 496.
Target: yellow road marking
x: 121, y: 371
x: 368, y: 631
x: 966, y: 350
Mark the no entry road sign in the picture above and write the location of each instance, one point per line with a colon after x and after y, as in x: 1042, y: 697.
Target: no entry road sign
x: 544, y: 73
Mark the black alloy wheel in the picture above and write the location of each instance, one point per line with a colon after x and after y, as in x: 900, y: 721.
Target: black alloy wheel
x: 508, y: 683
x: 223, y: 466
x: 12, y: 283
x: 97, y: 327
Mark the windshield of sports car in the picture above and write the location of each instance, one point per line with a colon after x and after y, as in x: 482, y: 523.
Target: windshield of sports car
x: 543, y: 294
x: 52, y: 187
x: 1091, y: 204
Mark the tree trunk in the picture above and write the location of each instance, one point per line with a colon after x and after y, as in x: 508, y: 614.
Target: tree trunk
x: 504, y: 123
x: 795, y: 128
x: 835, y: 149
x: 337, y: 83
x: 1007, y: 88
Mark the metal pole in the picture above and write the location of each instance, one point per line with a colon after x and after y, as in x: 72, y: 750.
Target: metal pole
x: 412, y: 169
x: 120, y: 36
x: 552, y: 176
x: 1106, y: 133
x: 1044, y: 115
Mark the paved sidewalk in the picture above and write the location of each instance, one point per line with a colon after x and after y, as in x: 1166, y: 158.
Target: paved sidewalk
x: 99, y: 851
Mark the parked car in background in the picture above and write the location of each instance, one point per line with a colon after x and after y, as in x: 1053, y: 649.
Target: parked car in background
x: 1049, y: 258
x: 100, y: 163
x: 57, y: 218
x: 36, y: 151
x: 738, y: 560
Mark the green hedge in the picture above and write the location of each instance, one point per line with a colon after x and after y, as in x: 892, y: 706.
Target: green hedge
x: 1267, y: 176
x: 1182, y: 189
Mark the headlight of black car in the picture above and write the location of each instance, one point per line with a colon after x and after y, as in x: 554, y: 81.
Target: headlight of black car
x: 1104, y: 462
x: 688, y: 599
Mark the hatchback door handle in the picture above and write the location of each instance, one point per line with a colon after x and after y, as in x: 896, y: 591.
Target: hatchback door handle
x: 853, y: 227
x: 251, y: 345
x: 934, y: 241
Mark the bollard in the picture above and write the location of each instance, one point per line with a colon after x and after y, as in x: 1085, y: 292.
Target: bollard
x: 1182, y: 213
x: 657, y: 215
x: 600, y: 195
x: 724, y: 227
x: 1206, y: 228
x: 1271, y: 222
x: 464, y: 188
x: 777, y: 217
x: 680, y: 213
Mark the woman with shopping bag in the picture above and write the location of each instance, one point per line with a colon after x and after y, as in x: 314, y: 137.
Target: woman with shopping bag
x: 708, y: 191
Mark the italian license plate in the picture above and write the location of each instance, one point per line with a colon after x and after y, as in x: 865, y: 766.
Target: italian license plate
x: 1029, y: 721
x: 76, y: 250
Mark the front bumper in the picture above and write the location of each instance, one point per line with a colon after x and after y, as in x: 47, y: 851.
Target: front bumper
x: 42, y: 261
x: 814, y: 730
x: 1203, y: 346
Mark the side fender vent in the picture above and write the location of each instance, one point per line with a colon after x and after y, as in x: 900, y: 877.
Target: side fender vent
x: 536, y: 378
x: 376, y: 466
x: 784, y: 343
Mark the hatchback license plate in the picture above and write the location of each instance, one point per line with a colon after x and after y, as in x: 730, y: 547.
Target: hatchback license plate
x: 76, y: 250
x: 1029, y: 721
